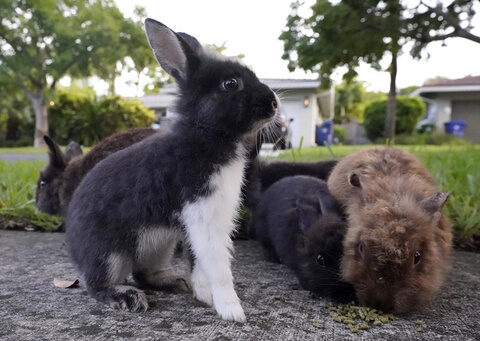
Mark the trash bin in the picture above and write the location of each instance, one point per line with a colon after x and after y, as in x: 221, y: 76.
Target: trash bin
x: 324, y: 133
x: 456, y: 127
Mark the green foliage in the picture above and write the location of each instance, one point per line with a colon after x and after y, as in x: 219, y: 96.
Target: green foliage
x: 17, y: 195
x: 433, y: 138
x: 340, y: 134
x: 42, y: 41
x: 16, y: 123
x: 80, y: 117
x: 455, y: 168
x: 345, y: 33
x: 409, y: 111
x: 349, y: 101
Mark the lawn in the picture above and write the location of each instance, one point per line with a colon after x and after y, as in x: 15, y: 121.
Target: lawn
x: 456, y: 169
x: 17, y: 196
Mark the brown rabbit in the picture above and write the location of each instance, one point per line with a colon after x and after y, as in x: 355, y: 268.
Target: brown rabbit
x: 57, y: 182
x: 398, y: 242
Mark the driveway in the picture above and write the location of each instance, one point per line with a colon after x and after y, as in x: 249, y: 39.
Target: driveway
x: 276, y: 308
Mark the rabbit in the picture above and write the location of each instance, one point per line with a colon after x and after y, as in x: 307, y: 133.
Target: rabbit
x: 299, y: 224
x: 58, y: 180
x: 262, y: 174
x: 271, y: 172
x: 129, y: 211
x: 398, y: 243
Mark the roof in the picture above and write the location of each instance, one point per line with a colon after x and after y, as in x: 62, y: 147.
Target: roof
x: 167, y: 94
x: 285, y: 83
x: 466, y: 84
x: 469, y: 80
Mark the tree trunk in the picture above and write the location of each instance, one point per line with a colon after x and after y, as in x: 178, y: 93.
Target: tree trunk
x: 41, y: 115
x: 391, y: 102
x: 41, y: 119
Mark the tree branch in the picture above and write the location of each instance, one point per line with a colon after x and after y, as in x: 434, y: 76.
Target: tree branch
x: 452, y: 21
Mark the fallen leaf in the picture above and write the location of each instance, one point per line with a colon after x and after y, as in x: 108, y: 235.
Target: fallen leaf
x: 64, y: 284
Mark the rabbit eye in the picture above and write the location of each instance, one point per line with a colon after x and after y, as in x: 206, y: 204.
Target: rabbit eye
x: 320, y: 260
x: 360, y: 248
x: 230, y: 84
x: 416, y: 257
x: 42, y: 183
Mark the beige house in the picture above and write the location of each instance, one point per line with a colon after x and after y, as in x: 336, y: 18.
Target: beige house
x: 453, y: 99
x: 301, y: 101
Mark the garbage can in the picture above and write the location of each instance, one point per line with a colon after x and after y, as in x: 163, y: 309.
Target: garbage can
x: 324, y: 133
x: 456, y: 127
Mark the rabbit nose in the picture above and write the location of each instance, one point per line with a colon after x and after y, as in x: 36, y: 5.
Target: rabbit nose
x: 274, y: 105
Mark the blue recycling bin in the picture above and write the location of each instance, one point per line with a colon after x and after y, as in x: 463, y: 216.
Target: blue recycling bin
x: 455, y: 127
x: 324, y: 133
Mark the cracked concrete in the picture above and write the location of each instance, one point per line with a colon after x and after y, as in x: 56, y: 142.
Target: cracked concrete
x: 31, y: 308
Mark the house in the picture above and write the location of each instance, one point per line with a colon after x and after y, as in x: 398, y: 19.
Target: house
x: 453, y: 99
x: 300, y: 98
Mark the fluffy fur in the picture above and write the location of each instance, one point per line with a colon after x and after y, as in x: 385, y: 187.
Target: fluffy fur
x: 398, y: 242
x: 186, y: 180
x: 58, y: 180
x: 299, y: 224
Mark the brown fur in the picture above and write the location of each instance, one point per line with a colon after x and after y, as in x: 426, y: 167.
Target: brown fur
x: 64, y: 175
x: 394, y: 210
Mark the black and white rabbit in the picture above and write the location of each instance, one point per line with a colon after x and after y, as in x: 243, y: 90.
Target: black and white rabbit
x: 299, y: 224
x: 131, y: 208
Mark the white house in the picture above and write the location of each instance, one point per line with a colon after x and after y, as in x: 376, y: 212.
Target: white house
x: 453, y: 99
x: 300, y: 98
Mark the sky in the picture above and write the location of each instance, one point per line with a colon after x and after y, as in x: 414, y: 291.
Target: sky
x: 252, y: 27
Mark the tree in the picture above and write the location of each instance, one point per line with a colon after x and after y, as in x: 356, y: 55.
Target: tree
x: 43, y: 40
x: 348, y: 32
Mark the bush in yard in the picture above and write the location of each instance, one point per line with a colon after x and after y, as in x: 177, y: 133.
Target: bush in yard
x: 340, y: 134
x: 80, y: 117
x: 117, y: 113
x: 409, y: 112
x: 433, y: 138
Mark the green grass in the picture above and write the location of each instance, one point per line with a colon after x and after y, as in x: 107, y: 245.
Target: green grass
x: 17, y: 195
x: 455, y: 168
x: 23, y: 150
x: 31, y: 150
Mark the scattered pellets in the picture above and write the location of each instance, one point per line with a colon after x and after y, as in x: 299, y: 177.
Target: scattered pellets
x: 357, y: 318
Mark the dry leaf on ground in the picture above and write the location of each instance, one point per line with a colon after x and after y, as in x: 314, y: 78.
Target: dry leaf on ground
x: 64, y: 284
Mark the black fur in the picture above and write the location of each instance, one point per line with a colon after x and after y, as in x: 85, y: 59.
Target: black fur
x: 297, y: 219
x: 271, y: 172
x: 147, y: 185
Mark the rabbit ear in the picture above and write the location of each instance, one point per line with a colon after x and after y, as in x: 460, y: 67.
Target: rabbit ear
x: 55, y: 154
x: 72, y: 150
x: 192, y: 42
x: 434, y: 205
x: 176, y: 53
x: 306, y: 214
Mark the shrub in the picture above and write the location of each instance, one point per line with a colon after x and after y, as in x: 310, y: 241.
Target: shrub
x: 409, y: 112
x: 433, y: 138
x: 80, y: 117
x: 340, y: 134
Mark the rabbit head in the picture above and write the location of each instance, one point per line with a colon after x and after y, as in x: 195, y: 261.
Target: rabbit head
x: 319, y: 248
x: 396, y: 247
x: 47, y: 194
x: 218, y: 95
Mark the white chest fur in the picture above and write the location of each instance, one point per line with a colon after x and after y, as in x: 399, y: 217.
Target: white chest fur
x: 221, y: 205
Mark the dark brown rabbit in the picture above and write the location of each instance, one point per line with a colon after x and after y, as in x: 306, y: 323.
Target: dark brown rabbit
x: 57, y: 182
x: 397, y: 245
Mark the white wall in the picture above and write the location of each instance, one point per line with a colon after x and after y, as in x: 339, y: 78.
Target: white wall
x: 304, y: 118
